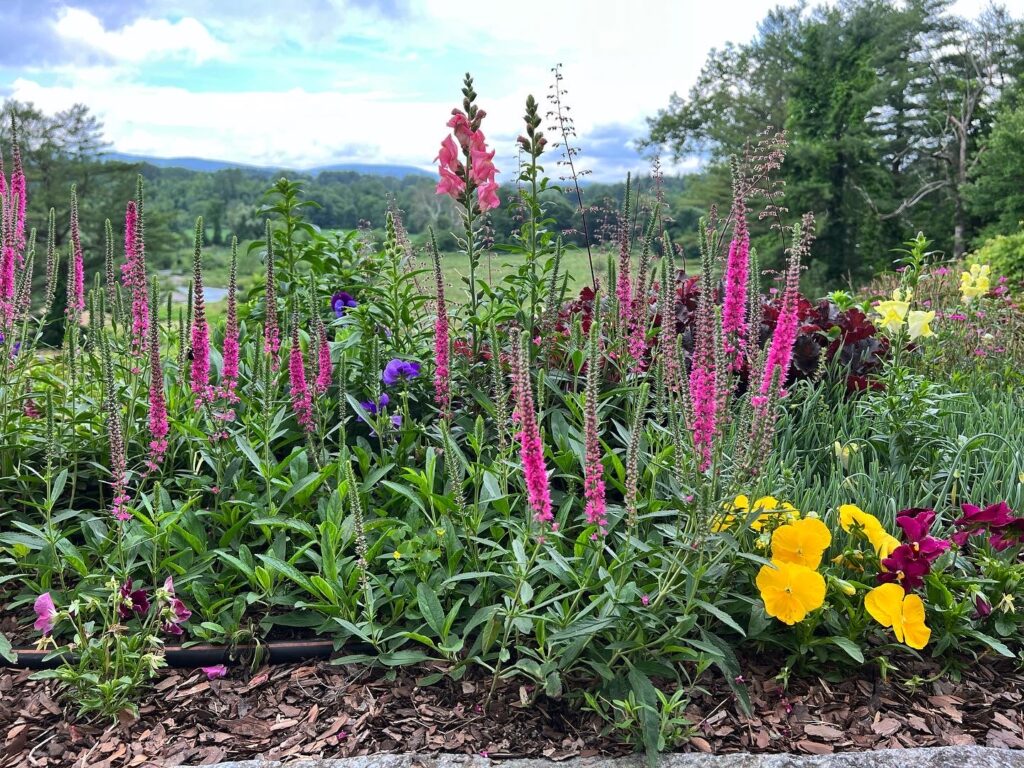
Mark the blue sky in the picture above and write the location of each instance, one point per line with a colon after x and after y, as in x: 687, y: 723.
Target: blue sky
x: 308, y: 82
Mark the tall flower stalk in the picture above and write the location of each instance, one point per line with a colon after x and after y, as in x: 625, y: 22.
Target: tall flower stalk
x: 442, y: 341
x: 302, y: 398
x: 593, y: 470
x: 200, y: 371
x: 230, y: 351
x: 531, y: 445
x: 158, y: 423
x: 271, y: 329
x: 734, y: 303
x: 704, y: 396
x: 76, y: 266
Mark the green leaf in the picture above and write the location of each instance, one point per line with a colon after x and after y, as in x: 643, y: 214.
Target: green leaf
x: 851, y: 648
x: 721, y: 615
x: 431, y: 609
x: 6, y: 651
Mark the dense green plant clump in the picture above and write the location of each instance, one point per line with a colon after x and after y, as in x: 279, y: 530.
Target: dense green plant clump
x: 607, y: 495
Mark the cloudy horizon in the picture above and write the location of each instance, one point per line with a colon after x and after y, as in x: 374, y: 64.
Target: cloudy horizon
x: 327, y: 81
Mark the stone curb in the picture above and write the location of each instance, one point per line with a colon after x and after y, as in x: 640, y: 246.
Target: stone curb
x: 937, y: 757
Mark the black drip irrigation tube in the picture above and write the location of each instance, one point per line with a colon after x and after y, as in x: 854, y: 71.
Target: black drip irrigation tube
x: 194, y: 656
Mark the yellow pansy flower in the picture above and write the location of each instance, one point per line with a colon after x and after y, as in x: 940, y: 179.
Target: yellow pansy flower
x: 918, y: 324
x: 891, y: 607
x: 790, y: 591
x: 774, y: 510
x: 802, y: 542
x: 852, y: 517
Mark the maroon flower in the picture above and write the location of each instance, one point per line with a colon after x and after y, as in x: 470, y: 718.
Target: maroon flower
x: 982, y: 607
x: 132, y: 601
x: 905, y: 568
x: 916, y: 524
x: 997, y: 520
x: 175, y: 612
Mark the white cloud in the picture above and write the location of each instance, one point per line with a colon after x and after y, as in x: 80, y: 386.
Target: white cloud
x: 141, y: 40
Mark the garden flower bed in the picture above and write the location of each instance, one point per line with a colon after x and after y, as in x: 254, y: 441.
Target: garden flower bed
x: 673, y: 512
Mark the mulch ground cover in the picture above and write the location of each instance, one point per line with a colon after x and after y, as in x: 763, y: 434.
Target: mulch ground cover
x: 297, y: 711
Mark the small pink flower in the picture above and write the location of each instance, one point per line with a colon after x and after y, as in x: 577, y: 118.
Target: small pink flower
x: 215, y: 672
x: 46, y: 612
x: 645, y: 600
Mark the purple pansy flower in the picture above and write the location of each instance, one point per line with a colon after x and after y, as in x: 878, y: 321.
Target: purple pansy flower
x: 373, y: 408
x: 397, y: 370
x: 341, y: 301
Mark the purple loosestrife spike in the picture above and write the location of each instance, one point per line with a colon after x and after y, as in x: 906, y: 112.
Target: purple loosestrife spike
x: 703, y: 376
x: 7, y: 262
x: 624, y: 283
x: 734, y: 307
x: 158, y: 424
x: 531, y: 446
x: 134, y: 278
x: 52, y: 260
x: 302, y: 398
x: 200, y: 378
x: 442, y: 341
x: 593, y: 470
x: 19, y: 194
x: 76, y: 266
x: 115, y: 436
x: 271, y: 331
x: 324, y: 364
x: 780, y: 353
x: 231, y: 350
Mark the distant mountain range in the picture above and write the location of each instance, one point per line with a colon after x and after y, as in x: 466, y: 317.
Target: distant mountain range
x: 209, y: 166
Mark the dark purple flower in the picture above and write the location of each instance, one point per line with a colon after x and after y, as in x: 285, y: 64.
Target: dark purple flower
x: 132, y: 601
x: 341, y: 301
x: 397, y: 370
x: 996, y: 519
x: 905, y: 567
x: 982, y: 607
x: 916, y: 524
x: 373, y: 408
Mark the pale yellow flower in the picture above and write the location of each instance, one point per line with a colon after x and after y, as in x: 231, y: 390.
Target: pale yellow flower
x: 892, y: 312
x: 918, y: 324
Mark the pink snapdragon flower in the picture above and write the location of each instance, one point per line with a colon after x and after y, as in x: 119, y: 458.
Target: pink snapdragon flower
x: 215, y: 672
x: 175, y: 612
x: 46, y: 613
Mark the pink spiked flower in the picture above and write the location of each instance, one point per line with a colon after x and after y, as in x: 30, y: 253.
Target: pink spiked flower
x: 158, y: 424
x: 734, y: 304
x: 230, y: 352
x: 704, y: 397
x: 134, y: 278
x: 271, y: 331
x: 623, y: 281
x: 324, y: 364
x: 200, y: 378
x: 531, y: 446
x: 7, y: 262
x: 302, y: 398
x: 780, y: 353
x: 442, y: 370
x: 19, y: 198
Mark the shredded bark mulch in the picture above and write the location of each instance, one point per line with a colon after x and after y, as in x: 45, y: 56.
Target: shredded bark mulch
x: 299, y: 711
